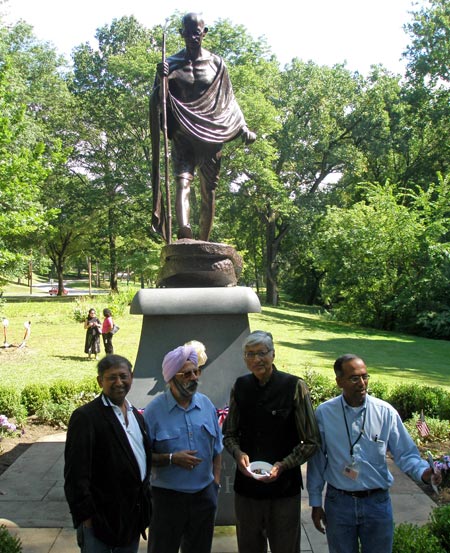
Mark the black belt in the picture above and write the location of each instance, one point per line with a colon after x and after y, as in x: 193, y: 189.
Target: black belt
x: 360, y: 493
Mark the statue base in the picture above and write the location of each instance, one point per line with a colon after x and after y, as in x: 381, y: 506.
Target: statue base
x: 193, y: 263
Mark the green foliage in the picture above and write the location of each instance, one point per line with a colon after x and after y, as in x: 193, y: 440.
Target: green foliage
x: 10, y: 404
x: 429, y: 51
x: 118, y: 303
x: 34, y: 396
x: 409, y: 398
x: 65, y: 396
x: 320, y: 387
x: 57, y: 414
x: 9, y: 543
x: 440, y: 525
x: 439, y: 429
x: 379, y: 389
x: 386, y: 263
x: 62, y: 390
x: 410, y: 538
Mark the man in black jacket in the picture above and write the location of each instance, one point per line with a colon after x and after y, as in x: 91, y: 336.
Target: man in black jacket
x: 107, y: 466
x: 270, y: 419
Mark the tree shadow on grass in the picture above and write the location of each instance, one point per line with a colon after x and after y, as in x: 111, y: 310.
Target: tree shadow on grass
x: 73, y: 358
x: 386, y: 353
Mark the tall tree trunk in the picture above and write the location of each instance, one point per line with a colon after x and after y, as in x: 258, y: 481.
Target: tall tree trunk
x: 274, y: 234
x: 112, y: 253
x: 271, y: 268
x: 60, y: 274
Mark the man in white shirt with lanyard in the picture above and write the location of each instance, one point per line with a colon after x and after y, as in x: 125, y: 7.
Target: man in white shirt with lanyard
x: 357, y: 430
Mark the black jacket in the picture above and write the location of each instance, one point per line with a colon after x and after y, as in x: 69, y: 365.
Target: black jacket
x: 102, y: 477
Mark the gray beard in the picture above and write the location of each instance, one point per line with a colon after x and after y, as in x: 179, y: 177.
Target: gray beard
x: 186, y: 390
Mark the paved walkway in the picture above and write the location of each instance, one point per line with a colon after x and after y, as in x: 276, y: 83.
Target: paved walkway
x: 33, y: 506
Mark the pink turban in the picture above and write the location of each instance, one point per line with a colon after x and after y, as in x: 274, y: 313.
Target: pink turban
x: 175, y: 359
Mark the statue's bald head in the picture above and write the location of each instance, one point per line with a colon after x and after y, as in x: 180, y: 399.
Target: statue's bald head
x: 192, y: 18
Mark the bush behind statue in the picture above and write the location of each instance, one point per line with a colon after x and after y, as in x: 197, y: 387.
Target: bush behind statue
x: 117, y: 303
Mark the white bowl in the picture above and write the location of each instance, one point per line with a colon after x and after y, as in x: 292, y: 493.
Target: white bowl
x: 259, y: 469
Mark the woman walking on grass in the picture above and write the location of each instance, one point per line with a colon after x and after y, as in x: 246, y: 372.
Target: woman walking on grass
x: 93, y: 327
x: 107, y: 327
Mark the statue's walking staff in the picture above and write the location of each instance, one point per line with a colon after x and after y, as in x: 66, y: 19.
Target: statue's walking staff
x: 164, y: 89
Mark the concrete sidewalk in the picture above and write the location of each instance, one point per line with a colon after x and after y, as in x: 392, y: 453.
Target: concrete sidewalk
x: 33, y: 506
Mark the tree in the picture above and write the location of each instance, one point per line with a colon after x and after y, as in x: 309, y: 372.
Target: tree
x: 33, y: 97
x: 387, y: 264
x: 111, y: 86
x: 22, y: 170
x: 429, y: 51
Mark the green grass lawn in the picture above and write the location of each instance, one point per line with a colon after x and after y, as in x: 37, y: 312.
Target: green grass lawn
x: 303, y: 338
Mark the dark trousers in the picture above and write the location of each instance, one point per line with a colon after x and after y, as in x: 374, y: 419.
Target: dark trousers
x: 107, y: 342
x: 276, y: 521
x: 183, y: 520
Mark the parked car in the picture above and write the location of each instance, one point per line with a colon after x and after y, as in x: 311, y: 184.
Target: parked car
x: 54, y: 291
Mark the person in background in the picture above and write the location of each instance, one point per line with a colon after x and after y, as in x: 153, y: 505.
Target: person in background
x: 93, y: 327
x: 107, y: 466
x: 357, y: 431
x: 270, y: 419
x: 186, y: 449
x: 107, y: 326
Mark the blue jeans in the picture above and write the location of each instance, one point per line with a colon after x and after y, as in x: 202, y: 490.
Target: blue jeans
x: 367, y: 520
x: 88, y: 543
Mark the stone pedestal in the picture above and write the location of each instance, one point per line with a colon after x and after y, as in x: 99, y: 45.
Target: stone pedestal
x: 217, y: 317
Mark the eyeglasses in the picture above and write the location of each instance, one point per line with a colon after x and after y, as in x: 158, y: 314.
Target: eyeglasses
x: 187, y: 374
x: 253, y: 354
x: 355, y: 379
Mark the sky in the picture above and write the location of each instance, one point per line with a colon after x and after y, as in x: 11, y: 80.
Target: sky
x: 357, y: 32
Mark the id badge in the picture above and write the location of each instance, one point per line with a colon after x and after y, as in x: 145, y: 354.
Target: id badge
x: 351, y: 471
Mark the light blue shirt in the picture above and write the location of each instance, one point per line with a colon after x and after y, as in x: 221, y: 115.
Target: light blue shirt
x: 132, y: 431
x: 383, y: 431
x: 172, y: 428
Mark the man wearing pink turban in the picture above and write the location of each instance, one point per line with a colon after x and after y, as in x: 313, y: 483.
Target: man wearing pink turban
x: 186, y: 446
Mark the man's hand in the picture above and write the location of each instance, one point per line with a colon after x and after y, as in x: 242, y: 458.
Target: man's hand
x: 242, y: 462
x: 430, y: 476
x: 318, y: 517
x: 248, y: 137
x: 186, y: 459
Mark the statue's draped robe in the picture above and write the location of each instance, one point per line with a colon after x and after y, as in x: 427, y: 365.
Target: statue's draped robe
x: 215, y: 117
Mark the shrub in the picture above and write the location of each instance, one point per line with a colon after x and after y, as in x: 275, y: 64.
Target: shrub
x: 10, y: 404
x: 63, y: 390
x: 439, y: 429
x: 9, y: 543
x: 88, y: 385
x: 34, y: 396
x: 410, y: 538
x: 57, y: 414
x: 440, y: 525
x: 379, y: 389
x: 320, y: 387
x: 410, y: 398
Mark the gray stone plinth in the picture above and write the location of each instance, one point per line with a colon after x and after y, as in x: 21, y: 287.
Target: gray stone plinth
x: 217, y: 317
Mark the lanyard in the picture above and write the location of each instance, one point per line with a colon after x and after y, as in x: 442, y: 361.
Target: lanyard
x: 352, y: 445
